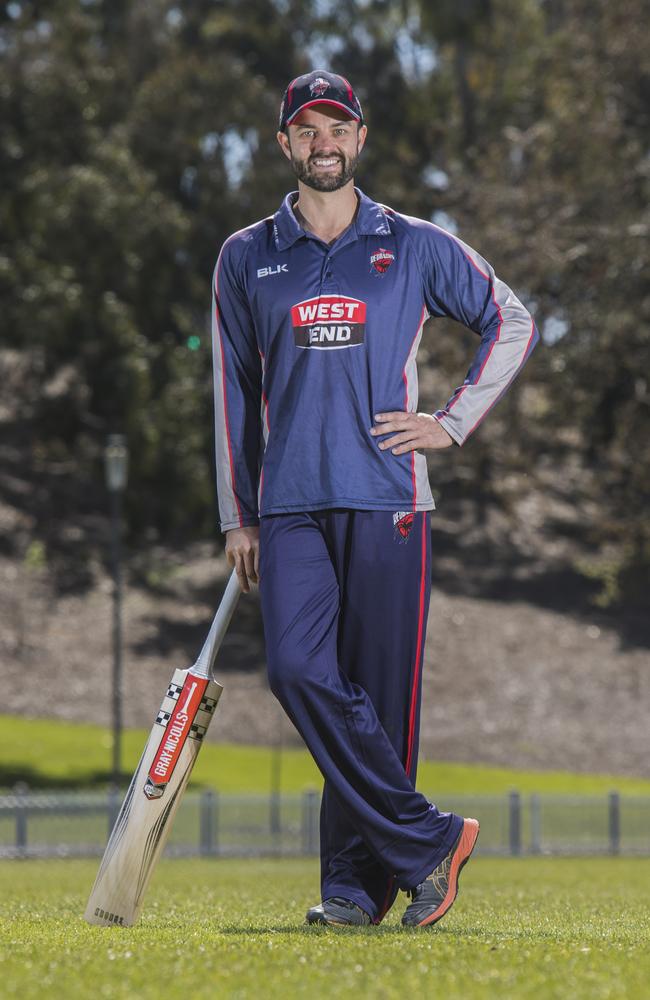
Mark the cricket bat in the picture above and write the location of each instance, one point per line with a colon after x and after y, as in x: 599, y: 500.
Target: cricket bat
x: 145, y: 818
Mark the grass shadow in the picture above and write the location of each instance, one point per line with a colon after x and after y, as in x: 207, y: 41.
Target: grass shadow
x: 310, y: 930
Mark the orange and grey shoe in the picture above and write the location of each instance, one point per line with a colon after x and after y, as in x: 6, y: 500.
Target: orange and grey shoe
x: 338, y: 912
x: 432, y: 898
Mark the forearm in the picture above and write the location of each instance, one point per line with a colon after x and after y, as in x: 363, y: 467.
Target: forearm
x: 237, y: 464
x: 506, y: 345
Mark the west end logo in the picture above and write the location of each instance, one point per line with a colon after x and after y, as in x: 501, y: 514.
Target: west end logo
x: 381, y: 260
x: 329, y: 322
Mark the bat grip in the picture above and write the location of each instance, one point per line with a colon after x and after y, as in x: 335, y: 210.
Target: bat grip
x: 221, y: 621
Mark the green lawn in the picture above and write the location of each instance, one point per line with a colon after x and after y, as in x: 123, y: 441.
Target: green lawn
x: 541, y: 928
x: 49, y: 753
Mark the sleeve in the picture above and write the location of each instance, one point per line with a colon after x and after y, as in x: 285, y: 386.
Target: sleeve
x: 459, y: 283
x: 237, y: 394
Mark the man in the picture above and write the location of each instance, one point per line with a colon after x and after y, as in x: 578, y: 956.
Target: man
x: 323, y: 489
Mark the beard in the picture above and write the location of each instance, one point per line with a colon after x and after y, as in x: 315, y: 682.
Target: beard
x: 329, y: 181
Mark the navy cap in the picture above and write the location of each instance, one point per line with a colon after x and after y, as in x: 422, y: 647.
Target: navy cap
x: 318, y: 87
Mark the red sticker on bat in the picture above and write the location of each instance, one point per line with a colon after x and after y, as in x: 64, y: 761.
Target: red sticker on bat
x: 176, y: 732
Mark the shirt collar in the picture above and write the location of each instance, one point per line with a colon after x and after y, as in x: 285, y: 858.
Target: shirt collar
x: 371, y: 220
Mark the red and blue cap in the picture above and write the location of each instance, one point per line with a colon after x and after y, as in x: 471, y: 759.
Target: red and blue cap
x: 318, y: 87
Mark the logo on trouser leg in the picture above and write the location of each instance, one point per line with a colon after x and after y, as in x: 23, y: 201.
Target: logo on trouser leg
x: 402, y: 522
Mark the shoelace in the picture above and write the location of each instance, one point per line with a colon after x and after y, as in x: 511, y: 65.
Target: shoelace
x: 414, y: 893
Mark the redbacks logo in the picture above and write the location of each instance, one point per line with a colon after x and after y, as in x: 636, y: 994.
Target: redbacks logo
x: 381, y: 260
x: 318, y: 87
x: 402, y: 522
x: 329, y: 322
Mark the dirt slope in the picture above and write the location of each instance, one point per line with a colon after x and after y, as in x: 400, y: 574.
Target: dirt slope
x: 506, y: 681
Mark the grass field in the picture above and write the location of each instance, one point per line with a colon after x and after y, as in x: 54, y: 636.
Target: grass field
x: 51, y: 754
x: 540, y: 928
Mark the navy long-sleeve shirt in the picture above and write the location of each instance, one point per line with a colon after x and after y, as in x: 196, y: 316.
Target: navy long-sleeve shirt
x: 311, y: 340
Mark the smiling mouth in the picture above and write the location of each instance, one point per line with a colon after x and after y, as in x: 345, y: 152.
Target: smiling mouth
x: 326, y: 162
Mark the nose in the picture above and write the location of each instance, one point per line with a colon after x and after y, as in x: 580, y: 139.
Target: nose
x: 323, y: 146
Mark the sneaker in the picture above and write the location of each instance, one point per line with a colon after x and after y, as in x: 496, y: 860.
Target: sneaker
x: 432, y: 898
x: 338, y: 912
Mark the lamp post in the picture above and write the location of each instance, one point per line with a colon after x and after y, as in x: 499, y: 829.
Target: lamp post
x: 276, y: 785
x: 116, y: 459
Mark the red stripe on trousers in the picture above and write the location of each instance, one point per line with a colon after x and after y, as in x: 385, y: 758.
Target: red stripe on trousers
x: 414, y: 690
x: 418, y: 649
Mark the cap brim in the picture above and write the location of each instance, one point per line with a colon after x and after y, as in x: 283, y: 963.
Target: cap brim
x: 335, y: 104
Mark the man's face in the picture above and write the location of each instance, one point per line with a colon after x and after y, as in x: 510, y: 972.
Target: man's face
x: 323, y: 148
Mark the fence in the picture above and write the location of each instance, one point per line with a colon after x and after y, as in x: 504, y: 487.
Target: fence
x: 77, y: 824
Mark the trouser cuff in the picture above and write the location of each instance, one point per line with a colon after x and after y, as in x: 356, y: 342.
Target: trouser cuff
x: 410, y: 880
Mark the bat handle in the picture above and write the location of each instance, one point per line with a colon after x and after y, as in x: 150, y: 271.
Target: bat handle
x: 205, y: 662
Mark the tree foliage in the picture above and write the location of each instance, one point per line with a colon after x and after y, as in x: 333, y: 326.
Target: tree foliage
x: 136, y: 136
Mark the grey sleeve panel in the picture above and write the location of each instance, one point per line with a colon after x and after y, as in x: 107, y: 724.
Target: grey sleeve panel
x: 237, y: 390
x: 459, y: 283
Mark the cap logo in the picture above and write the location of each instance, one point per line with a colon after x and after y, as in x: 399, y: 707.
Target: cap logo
x: 318, y: 87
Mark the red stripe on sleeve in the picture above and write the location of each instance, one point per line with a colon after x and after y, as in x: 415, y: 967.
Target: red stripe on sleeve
x: 225, y: 402
x: 498, y: 333
x: 523, y: 361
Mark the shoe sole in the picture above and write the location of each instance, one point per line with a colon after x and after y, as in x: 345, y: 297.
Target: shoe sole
x: 321, y: 920
x: 462, y: 854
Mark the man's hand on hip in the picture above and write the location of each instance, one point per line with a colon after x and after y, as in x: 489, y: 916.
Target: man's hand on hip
x: 243, y: 552
x: 410, y: 431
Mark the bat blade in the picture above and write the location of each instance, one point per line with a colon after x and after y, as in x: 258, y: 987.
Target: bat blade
x: 145, y: 819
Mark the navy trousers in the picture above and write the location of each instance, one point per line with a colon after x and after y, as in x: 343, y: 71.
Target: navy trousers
x: 345, y: 598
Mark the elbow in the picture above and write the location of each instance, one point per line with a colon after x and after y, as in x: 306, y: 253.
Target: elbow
x: 533, y: 338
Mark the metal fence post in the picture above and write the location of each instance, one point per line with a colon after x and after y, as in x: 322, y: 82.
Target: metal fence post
x: 216, y: 815
x: 514, y: 822
x: 21, y: 819
x: 206, y: 825
x: 614, y: 803
x: 112, y: 807
x: 310, y: 822
x: 535, y: 825
x: 275, y: 819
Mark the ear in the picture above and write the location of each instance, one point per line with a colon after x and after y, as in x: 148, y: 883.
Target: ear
x: 283, y: 140
x: 363, y: 132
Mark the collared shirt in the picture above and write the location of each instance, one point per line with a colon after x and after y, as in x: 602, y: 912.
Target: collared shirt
x: 311, y: 340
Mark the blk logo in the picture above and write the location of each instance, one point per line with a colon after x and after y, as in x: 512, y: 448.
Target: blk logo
x: 329, y: 322
x: 266, y: 272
